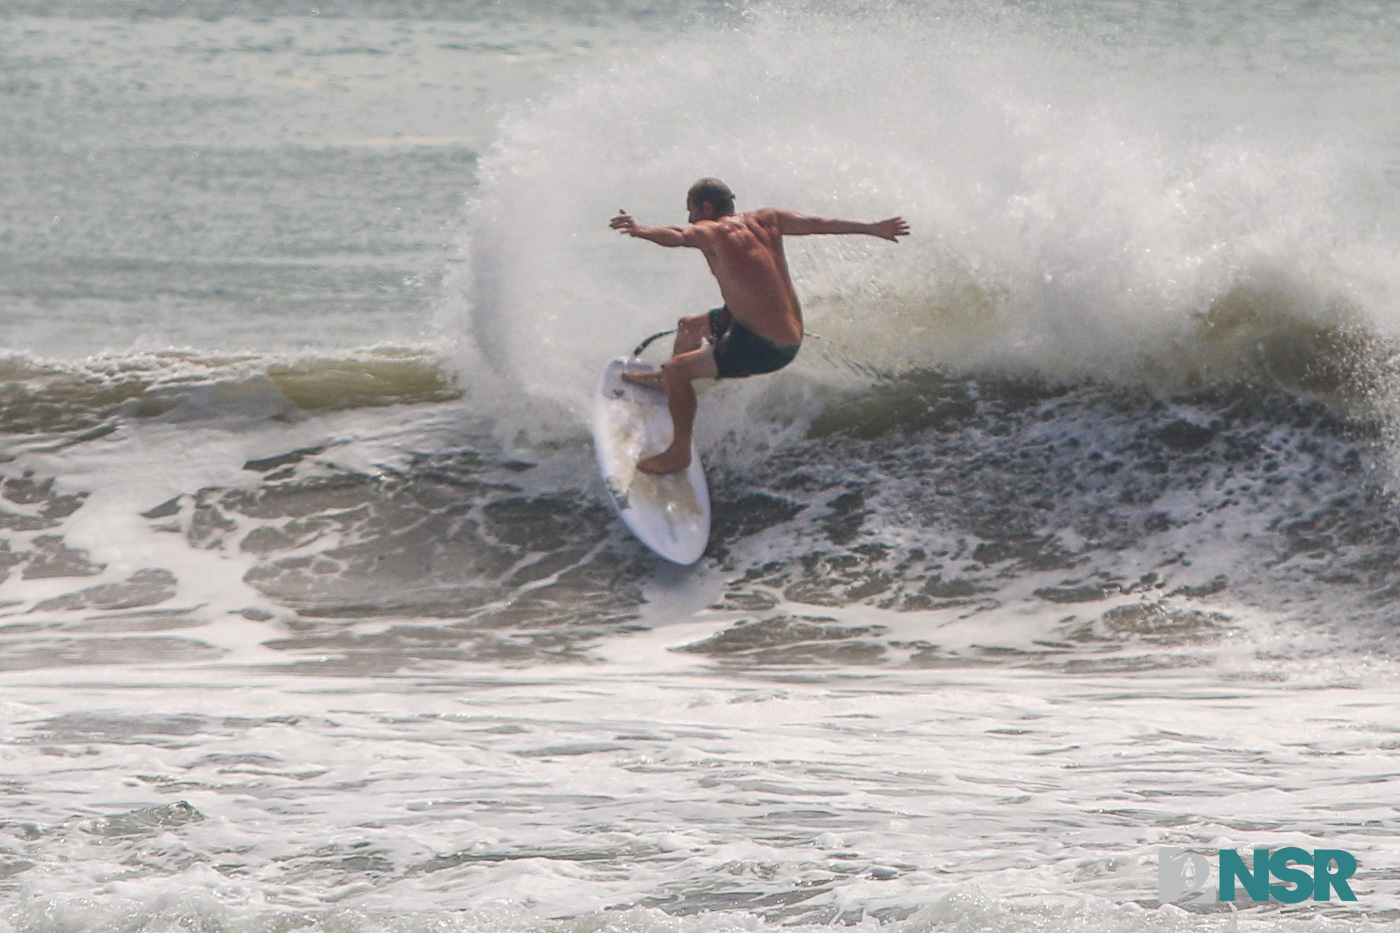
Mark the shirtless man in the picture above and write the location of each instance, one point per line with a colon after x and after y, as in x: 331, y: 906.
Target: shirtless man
x: 759, y: 328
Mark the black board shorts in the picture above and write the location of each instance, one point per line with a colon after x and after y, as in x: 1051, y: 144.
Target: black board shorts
x: 740, y: 352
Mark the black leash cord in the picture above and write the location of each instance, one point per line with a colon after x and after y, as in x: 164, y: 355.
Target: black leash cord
x: 655, y: 337
x: 650, y: 340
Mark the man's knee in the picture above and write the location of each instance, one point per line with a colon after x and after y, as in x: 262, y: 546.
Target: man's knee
x: 699, y: 364
x: 675, y: 373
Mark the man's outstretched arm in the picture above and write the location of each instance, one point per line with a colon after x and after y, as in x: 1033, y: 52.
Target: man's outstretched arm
x: 663, y: 236
x: 792, y: 223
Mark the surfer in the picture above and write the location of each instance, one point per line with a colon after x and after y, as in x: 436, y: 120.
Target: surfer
x: 759, y: 328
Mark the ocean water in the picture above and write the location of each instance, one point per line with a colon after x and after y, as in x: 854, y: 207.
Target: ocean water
x: 1071, y: 534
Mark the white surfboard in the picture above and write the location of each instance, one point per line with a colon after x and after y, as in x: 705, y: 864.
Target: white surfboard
x: 669, y: 514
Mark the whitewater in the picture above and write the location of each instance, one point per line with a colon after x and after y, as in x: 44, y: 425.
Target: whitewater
x: 1071, y: 534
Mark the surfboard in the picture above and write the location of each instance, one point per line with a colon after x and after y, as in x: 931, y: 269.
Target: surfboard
x: 669, y: 514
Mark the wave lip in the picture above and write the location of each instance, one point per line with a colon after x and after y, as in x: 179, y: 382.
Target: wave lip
x: 1072, y: 219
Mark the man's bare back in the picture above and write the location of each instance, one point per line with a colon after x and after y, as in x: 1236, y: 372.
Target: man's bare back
x: 745, y: 252
x: 760, y: 326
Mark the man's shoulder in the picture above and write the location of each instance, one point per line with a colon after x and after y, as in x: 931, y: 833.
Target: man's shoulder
x: 769, y: 218
x: 764, y: 214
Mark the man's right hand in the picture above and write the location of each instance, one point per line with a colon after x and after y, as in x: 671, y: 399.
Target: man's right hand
x: 661, y: 236
x: 623, y: 223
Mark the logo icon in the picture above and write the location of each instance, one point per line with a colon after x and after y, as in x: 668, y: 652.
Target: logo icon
x: 1183, y: 877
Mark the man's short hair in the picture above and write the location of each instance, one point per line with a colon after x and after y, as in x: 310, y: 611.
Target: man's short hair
x: 714, y: 192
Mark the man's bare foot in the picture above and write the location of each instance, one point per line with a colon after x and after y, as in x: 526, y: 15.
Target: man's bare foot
x: 670, y: 460
x: 652, y: 379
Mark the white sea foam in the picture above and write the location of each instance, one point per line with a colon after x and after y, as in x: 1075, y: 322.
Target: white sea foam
x: 252, y: 800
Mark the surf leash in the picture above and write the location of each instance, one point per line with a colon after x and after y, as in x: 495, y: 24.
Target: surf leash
x: 649, y: 341
x: 657, y: 336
